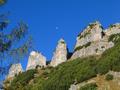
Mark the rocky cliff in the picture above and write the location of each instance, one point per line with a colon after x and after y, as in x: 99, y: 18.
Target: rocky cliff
x: 94, y: 40
x: 36, y: 59
x: 99, y: 73
x: 14, y: 70
x: 60, y: 54
x: 113, y: 29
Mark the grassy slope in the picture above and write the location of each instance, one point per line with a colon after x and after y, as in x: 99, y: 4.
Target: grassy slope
x: 76, y: 71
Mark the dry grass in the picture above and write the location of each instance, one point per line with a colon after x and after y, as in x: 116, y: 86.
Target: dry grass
x: 103, y: 84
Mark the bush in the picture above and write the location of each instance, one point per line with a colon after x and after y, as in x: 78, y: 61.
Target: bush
x: 109, y: 77
x: 91, y: 86
x: 80, y: 47
x: 75, y: 71
x: 112, y: 25
x: 83, y: 36
x: 22, y: 80
x: 114, y: 38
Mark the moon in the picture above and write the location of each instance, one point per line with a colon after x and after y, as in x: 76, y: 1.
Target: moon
x: 56, y: 27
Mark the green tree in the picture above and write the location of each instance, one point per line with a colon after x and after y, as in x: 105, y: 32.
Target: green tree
x: 2, y: 2
x: 12, y: 46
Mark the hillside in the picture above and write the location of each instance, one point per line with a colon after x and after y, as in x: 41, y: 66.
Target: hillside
x: 72, y: 72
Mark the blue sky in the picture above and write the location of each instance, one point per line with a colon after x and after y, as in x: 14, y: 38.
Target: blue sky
x: 50, y: 20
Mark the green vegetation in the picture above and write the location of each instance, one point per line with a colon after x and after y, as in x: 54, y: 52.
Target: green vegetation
x: 112, y: 25
x: 75, y: 71
x: 15, y: 42
x: 80, y: 47
x: 109, y: 77
x: 2, y: 2
x: 96, y: 50
x: 85, y: 34
x: 92, y: 25
x: 91, y: 86
x: 81, y: 36
x: 62, y: 42
x: 114, y: 38
x: 88, y: 44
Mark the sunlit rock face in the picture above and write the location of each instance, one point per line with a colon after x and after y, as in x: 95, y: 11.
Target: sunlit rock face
x: 36, y: 59
x: 15, y: 69
x: 92, y: 41
x: 94, y: 49
x: 90, y: 34
x: 113, y: 29
x: 60, y: 55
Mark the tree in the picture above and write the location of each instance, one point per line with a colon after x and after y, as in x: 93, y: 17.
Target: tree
x: 12, y: 45
x: 2, y: 2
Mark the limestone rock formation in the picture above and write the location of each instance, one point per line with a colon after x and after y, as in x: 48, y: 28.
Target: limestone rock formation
x: 91, y: 33
x: 15, y: 69
x: 113, y: 29
x: 96, y: 48
x: 36, y: 59
x: 60, y: 55
x: 93, y: 41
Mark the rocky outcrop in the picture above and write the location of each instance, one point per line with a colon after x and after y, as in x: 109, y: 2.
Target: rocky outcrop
x: 92, y: 41
x: 113, y: 29
x: 36, y: 59
x: 90, y: 34
x: 96, y: 48
x: 60, y: 55
x: 15, y: 69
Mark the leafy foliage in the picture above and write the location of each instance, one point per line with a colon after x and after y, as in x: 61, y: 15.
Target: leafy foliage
x: 80, y: 47
x: 85, y: 34
x: 109, y: 77
x: 73, y: 72
x: 112, y: 25
x: 2, y: 2
x: 12, y: 45
x: 91, y: 86
x: 114, y: 38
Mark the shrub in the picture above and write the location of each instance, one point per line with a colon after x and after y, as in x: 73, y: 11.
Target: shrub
x: 83, y: 36
x: 112, y: 25
x: 80, y: 47
x: 91, y: 25
x: 114, y: 38
x: 91, y: 86
x: 62, y: 42
x: 109, y: 77
x: 96, y: 50
x: 75, y: 71
x: 88, y: 44
x: 22, y: 80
